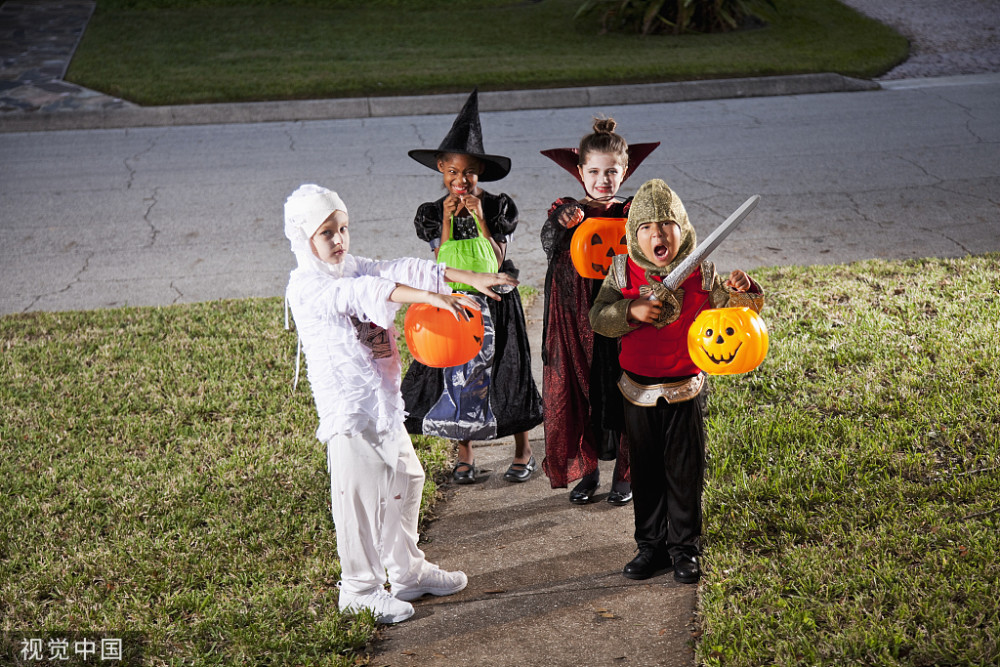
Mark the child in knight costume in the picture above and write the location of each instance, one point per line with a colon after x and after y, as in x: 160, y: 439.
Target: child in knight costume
x: 664, y: 406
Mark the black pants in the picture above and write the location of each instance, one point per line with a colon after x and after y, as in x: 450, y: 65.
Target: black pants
x: 667, y: 446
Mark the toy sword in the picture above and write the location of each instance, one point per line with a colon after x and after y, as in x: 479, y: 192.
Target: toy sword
x: 684, y: 269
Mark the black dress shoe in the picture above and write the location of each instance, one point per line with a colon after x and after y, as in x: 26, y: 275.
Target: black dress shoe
x: 617, y: 498
x: 648, y: 563
x: 520, y: 472
x: 464, y: 473
x: 583, y: 493
x: 686, y: 569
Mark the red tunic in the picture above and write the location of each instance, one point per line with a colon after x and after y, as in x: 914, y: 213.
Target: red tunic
x: 654, y: 352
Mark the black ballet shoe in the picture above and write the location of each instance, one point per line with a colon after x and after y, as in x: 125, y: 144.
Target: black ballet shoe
x: 583, y: 492
x: 520, y: 472
x: 464, y: 473
x: 619, y: 498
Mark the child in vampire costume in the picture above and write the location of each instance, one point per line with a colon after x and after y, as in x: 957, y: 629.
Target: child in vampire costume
x: 663, y: 389
x: 584, y: 423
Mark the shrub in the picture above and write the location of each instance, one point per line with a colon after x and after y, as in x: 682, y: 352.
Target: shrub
x: 672, y: 16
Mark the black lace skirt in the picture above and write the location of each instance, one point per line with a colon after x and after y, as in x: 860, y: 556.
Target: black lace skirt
x: 511, y: 403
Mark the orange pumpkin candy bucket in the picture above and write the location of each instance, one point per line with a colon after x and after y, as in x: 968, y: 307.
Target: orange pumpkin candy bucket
x: 726, y: 341
x: 595, y: 243
x: 436, y: 339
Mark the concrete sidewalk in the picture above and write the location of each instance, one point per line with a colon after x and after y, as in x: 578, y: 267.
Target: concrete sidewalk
x: 545, y: 582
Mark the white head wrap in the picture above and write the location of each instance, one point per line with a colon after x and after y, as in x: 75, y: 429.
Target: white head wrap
x: 305, y: 211
x: 307, y: 208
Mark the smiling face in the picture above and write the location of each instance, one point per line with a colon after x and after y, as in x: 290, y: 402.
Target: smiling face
x: 461, y: 173
x: 602, y: 175
x: 723, y: 341
x: 659, y: 241
x: 331, y: 241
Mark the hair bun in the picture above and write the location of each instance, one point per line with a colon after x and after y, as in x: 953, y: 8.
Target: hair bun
x: 604, y: 125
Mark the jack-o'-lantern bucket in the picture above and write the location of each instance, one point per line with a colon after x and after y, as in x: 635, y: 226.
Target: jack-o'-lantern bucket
x: 724, y: 341
x: 595, y: 243
x: 437, y: 339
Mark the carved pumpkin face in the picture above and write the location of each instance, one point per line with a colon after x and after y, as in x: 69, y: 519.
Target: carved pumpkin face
x: 595, y: 243
x: 724, y: 341
x: 435, y: 338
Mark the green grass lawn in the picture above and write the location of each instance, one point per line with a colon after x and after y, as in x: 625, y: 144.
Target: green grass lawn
x: 853, y: 505
x: 219, y: 51
x: 160, y: 476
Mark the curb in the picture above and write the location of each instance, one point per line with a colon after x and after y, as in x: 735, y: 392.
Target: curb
x: 377, y: 107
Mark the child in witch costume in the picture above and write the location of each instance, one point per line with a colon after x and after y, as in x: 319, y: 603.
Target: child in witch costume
x: 664, y: 406
x: 493, y: 395
x: 582, y: 405
x: 343, y: 306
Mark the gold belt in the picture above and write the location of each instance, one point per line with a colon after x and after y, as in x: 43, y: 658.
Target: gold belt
x: 671, y: 392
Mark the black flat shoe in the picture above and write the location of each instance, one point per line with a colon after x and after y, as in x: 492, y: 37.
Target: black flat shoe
x: 617, y: 498
x: 464, y: 473
x: 686, y: 569
x: 648, y: 563
x: 582, y: 493
x: 520, y: 472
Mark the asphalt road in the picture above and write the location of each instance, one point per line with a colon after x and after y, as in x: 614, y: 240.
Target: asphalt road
x: 161, y: 215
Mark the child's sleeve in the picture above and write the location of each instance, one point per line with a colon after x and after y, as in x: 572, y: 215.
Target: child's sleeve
x: 422, y: 274
x: 609, y: 314
x: 501, y: 216
x: 553, y: 235
x: 365, y: 297
x: 723, y: 297
x: 427, y: 223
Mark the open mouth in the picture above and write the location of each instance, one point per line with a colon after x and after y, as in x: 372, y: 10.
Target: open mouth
x: 722, y: 360
x: 661, y: 251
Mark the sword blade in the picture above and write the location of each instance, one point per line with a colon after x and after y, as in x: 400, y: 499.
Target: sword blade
x: 685, y: 268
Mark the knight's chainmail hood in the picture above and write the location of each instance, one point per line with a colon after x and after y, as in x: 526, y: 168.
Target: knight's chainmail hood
x: 656, y: 201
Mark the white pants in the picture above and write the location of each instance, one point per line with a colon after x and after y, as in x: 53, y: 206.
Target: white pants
x: 375, y: 511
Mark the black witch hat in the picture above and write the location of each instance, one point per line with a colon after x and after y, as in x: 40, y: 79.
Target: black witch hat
x: 466, y: 138
x: 569, y: 158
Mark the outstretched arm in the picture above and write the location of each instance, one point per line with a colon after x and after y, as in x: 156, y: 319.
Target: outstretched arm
x: 481, y: 281
x: 457, y: 304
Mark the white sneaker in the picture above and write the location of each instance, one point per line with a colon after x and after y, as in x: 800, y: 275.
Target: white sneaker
x: 386, y: 608
x: 432, y: 581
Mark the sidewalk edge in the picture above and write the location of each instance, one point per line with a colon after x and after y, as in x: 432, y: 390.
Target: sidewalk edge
x: 374, y: 107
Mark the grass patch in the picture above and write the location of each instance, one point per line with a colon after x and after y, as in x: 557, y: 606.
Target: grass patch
x: 165, y: 52
x: 161, y: 477
x: 853, y: 499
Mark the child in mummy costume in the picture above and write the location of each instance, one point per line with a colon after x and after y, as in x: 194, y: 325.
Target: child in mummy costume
x: 343, y: 307
x: 663, y: 388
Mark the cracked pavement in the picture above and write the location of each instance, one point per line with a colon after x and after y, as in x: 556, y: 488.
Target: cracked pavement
x: 156, y: 216
x: 163, y: 215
